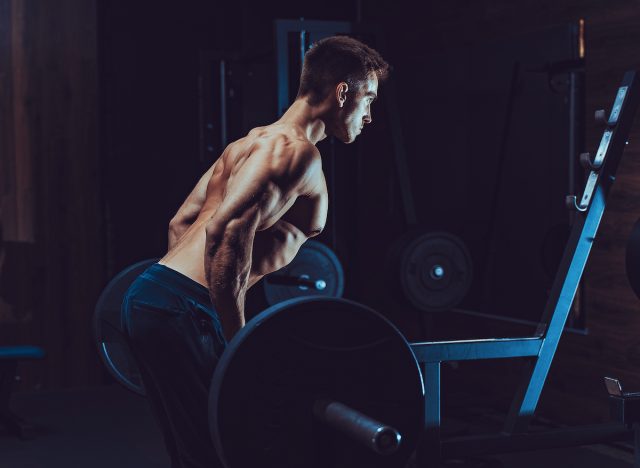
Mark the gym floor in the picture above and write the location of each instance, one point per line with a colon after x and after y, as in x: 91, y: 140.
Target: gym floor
x: 103, y: 427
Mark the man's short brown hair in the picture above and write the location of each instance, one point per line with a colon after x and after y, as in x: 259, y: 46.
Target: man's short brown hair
x: 335, y: 59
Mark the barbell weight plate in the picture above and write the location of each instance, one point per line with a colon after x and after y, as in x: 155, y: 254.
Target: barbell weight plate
x: 107, y: 326
x: 315, y: 262
x: 301, y: 350
x: 435, y: 271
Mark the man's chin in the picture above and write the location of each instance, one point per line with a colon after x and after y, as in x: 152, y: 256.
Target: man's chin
x: 350, y: 138
x: 345, y: 138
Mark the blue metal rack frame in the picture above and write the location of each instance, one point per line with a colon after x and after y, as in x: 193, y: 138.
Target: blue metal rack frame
x: 539, y: 349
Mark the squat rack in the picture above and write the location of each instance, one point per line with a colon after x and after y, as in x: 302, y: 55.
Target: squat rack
x: 540, y: 348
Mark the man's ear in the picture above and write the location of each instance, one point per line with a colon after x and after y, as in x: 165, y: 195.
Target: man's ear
x: 341, y: 93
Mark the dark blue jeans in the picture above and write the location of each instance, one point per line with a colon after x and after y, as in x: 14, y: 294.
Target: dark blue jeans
x: 176, y: 338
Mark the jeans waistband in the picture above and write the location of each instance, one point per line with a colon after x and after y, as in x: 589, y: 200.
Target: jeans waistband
x: 176, y: 280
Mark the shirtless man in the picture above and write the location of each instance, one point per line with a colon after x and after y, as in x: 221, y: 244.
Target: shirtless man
x: 247, y: 217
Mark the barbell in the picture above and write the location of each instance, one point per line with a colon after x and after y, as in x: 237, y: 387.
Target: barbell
x: 315, y: 271
x: 323, y: 395
x: 432, y: 270
x: 313, y: 381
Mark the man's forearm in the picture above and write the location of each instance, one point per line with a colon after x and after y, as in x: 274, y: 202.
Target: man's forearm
x: 230, y: 309
x: 227, y: 269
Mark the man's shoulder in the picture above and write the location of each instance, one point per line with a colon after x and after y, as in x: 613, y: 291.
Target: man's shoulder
x: 305, y: 150
x: 288, y: 158
x: 281, y: 143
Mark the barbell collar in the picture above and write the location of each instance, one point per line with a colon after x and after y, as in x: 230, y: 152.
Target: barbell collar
x: 378, y: 437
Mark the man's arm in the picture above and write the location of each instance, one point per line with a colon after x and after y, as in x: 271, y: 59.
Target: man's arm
x: 259, y: 190
x: 189, y: 210
x: 274, y: 248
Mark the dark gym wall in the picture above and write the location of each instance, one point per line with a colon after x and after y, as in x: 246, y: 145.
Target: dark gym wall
x: 110, y: 112
x: 149, y: 69
x: 50, y: 187
x: 486, y: 137
x: 99, y: 147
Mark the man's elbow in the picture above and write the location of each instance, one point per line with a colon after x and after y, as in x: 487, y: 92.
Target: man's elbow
x: 233, y: 233
x: 178, y: 224
x: 176, y: 230
x: 295, y: 240
x: 173, y: 222
x: 314, y: 232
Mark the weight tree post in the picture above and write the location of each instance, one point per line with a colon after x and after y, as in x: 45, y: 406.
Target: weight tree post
x: 428, y: 453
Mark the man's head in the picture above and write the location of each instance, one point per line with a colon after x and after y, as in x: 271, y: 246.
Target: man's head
x: 343, y: 73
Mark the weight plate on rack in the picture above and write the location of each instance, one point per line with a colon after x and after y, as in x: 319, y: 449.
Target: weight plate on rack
x: 315, y: 271
x: 435, y: 271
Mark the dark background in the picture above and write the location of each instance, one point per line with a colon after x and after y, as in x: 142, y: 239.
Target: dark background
x: 101, y: 140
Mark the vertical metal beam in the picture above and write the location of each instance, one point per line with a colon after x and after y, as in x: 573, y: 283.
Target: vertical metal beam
x: 303, y: 46
x: 573, y: 107
x: 428, y: 454
x: 223, y: 104
x: 309, y: 31
x: 282, y: 56
x: 636, y: 445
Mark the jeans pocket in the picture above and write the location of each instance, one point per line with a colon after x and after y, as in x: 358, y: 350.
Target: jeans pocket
x: 138, y: 306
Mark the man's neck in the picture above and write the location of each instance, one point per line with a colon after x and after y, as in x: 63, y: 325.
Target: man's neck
x: 308, y: 118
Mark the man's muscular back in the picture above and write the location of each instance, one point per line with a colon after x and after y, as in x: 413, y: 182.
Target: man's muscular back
x: 275, y: 166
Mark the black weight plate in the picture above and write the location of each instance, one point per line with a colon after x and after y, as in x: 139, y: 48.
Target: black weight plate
x: 296, y: 352
x: 314, y: 261
x: 435, y: 271
x: 107, y: 327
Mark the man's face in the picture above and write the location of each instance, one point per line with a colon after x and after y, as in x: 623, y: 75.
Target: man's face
x: 355, y: 110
